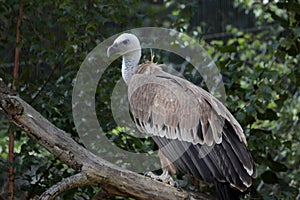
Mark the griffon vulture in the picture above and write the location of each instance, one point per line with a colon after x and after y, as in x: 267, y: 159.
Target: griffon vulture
x: 194, y: 131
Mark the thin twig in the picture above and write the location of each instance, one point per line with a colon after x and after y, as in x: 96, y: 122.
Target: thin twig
x: 44, y: 85
x: 11, y: 176
x: 17, y: 55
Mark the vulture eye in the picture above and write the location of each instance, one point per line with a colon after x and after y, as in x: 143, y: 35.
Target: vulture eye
x: 126, y: 41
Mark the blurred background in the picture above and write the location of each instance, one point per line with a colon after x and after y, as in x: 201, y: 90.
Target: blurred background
x: 255, y: 44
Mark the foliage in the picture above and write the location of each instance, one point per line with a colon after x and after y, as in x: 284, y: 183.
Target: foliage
x: 264, y: 95
x: 260, y: 69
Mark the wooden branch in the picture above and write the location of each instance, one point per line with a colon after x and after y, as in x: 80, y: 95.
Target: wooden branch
x: 93, y: 169
x: 66, y: 184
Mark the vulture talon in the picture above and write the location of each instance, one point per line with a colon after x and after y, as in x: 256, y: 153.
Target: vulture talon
x: 164, y: 177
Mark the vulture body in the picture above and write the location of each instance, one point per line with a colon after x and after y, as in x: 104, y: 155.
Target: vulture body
x: 194, y: 131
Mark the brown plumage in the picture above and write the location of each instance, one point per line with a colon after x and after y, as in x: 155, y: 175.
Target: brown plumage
x: 170, y: 108
x: 195, y: 132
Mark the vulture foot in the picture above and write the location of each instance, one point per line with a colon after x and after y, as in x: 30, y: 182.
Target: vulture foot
x: 164, y: 177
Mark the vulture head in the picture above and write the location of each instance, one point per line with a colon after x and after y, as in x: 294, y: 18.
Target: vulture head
x: 125, y: 44
x: 128, y: 46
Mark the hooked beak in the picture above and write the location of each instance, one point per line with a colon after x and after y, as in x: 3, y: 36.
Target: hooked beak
x: 112, y: 50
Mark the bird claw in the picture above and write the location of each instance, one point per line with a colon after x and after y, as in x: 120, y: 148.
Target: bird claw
x: 164, y: 177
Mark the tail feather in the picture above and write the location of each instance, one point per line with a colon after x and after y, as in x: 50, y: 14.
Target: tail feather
x: 225, y: 192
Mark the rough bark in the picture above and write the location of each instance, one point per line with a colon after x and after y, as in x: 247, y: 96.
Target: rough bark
x: 92, y: 170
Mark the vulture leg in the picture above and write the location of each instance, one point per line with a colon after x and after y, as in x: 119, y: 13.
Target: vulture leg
x: 164, y: 177
x: 167, y: 166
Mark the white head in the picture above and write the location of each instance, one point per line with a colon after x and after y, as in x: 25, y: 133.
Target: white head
x: 125, y: 44
x: 128, y: 46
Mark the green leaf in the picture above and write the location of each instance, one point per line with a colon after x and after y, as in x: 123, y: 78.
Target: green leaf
x: 240, y: 116
x: 267, y: 115
x: 227, y: 49
x: 269, y: 177
x: 266, y: 90
x: 277, y: 166
x: 297, y: 32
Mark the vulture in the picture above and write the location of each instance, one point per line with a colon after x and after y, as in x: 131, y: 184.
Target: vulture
x: 194, y: 131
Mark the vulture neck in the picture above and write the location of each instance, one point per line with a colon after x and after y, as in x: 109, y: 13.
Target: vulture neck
x: 129, y: 64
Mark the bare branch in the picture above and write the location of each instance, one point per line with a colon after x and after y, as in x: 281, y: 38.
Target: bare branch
x: 66, y: 184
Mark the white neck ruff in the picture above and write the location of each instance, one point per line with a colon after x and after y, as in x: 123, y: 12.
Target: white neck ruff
x: 129, y: 64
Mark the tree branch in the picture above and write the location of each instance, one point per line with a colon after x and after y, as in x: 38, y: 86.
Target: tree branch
x: 93, y: 169
x: 66, y: 184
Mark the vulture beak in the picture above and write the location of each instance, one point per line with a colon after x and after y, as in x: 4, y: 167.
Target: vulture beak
x: 112, y: 50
